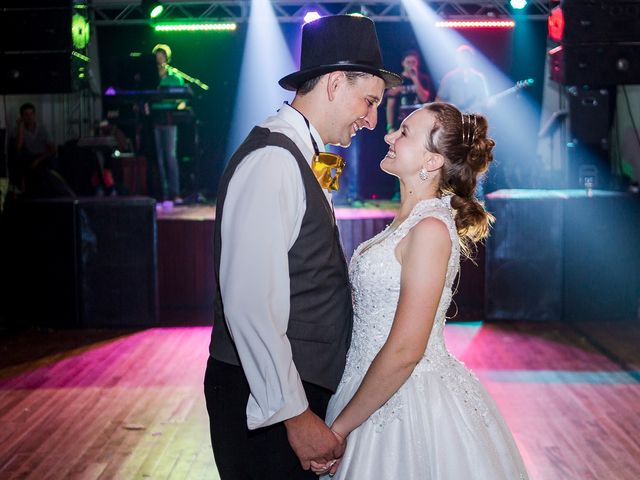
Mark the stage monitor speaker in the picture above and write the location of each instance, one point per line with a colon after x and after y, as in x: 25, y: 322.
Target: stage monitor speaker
x: 118, y: 265
x: 562, y: 255
x: 592, y: 21
x: 523, y: 259
x: 596, y: 64
x: 83, y: 262
x: 602, y: 258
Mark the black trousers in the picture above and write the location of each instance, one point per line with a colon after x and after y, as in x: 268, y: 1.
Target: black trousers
x: 243, y: 454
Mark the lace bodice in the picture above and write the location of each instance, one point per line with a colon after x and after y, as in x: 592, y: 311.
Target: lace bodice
x: 375, y: 277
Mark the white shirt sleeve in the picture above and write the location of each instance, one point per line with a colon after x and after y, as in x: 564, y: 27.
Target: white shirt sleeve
x: 263, y: 212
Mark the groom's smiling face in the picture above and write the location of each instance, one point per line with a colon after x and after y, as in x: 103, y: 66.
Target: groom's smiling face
x: 356, y: 106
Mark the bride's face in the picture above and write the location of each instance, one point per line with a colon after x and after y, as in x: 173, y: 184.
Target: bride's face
x: 407, y: 146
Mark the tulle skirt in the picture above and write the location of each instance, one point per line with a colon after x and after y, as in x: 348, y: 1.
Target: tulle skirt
x: 436, y: 426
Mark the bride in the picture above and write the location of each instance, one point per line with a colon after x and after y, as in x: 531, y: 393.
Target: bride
x: 407, y: 407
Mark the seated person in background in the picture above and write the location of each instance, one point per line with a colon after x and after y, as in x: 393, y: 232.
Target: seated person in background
x: 31, y: 148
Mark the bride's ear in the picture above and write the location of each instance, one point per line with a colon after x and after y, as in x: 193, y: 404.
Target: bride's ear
x: 434, y: 161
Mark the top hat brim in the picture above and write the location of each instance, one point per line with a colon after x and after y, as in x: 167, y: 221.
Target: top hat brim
x: 294, y: 80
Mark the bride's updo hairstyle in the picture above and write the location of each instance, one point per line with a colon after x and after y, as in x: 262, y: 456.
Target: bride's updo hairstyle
x: 462, y: 140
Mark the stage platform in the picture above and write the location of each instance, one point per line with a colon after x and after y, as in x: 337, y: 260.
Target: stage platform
x: 185, y: 247
x: 185, y: 255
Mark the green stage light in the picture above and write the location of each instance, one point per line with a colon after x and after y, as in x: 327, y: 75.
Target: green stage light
x: 80, y: 31
x: 151, y: 8
x: 194, y: 27
x: 82, y: 57
x: 156, y: 11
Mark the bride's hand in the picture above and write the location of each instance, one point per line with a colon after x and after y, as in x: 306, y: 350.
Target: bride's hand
x: 325, y: 468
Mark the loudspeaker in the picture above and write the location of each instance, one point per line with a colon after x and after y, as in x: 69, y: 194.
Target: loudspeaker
x: 36, y: 29
x: 590, y: 115
x: 591, y: 21
x: 562, y: 255
x: 595, y: 64
x: 82, y: 262
x: 602, y: 258
x: 524, y: 259
x: 52, y: 72
x: 44, y: 46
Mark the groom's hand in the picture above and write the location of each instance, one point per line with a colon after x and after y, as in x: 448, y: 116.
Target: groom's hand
x: 311, y: 439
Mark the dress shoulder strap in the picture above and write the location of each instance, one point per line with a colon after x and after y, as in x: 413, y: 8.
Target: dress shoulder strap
x: 439, y: 208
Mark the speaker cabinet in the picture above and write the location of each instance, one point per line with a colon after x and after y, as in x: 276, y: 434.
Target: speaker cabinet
x: 602, y: 257
x: 600, y: 43
x: 83, y: 263
x: 561, y: 255
x: 47, y: 72
x: 44, y: 46
x: 36, y: 29
x: 591, y: 21
x: 596, y: 64
x: 524, y: 259
x: 590, y: 114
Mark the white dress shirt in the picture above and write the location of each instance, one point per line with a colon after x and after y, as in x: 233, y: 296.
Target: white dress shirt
x: 263, y: 212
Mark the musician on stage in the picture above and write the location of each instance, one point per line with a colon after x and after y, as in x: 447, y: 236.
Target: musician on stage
x: 464, y: 86
x: 414, y: 91
x: 165, y: 129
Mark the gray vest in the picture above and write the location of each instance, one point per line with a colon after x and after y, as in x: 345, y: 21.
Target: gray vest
x: 320, y: 318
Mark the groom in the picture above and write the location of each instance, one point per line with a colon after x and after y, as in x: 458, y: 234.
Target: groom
x: 283, y: 321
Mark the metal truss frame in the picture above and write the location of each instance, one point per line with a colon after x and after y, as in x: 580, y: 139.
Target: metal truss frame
x: 288, y: 11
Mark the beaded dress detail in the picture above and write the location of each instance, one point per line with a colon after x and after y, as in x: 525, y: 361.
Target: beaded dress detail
x: 441, y: 424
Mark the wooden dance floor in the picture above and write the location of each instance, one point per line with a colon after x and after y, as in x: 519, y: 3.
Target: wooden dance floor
x: 129, y: 405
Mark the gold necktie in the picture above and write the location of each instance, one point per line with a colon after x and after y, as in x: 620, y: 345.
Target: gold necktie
x: 323, y: 165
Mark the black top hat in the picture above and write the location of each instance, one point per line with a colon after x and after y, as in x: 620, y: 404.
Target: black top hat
x: 339, y: 42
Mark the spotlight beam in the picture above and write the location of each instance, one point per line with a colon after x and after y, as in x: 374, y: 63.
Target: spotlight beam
x: 259, y: 94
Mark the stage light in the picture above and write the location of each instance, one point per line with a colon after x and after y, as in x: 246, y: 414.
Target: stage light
x: 253, y: 105
x: 359, y: 12
x: 152, y: 8
x: 311, y: 16
x: 82, y: 57
x: 518, y: 4
x: 555, y: 24
x: 80, y: 31
x: 194, y: 27
x: 476, y: 24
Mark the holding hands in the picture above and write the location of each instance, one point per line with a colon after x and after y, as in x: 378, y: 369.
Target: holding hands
x: 317, y: 447
x: 330, y: 467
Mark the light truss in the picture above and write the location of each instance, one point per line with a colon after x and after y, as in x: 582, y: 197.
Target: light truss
x: 287, y: 11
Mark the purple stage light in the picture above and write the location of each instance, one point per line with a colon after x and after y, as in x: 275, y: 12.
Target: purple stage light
x: 311, y: 16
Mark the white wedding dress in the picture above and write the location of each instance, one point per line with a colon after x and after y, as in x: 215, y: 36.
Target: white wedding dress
x: 441, y: 424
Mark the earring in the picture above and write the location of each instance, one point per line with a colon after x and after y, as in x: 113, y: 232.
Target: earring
x: 423, y: 174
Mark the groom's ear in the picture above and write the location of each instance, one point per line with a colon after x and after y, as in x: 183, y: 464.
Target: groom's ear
x: 333, y: 83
